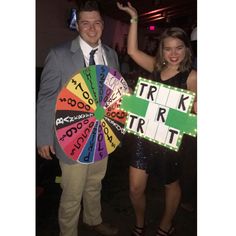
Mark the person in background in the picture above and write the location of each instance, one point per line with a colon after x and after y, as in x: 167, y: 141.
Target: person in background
x: 172, y: 65
x: 79, y: 182
x: 125, y: 65
x: 193, y: 38
x: 189, y: 176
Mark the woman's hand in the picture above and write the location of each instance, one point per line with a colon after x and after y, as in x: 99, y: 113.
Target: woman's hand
x: 128, y: 9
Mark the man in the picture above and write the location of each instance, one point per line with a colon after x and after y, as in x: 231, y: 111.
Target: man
x: 79, y: 182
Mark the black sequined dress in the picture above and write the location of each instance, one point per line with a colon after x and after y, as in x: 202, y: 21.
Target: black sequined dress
x: 155, y: 158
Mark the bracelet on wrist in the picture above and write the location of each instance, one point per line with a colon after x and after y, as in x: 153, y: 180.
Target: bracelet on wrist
x: 134, y: 20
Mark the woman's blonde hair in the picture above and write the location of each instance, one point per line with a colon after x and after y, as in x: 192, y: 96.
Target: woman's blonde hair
x: 180, y: 34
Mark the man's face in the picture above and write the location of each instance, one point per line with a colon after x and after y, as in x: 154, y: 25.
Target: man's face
x: 90, y: 27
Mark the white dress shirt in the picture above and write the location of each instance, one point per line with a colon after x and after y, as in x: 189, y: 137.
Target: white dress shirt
x: 99, y: 56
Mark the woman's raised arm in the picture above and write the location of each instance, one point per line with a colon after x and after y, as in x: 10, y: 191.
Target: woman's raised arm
x: 141, y: 58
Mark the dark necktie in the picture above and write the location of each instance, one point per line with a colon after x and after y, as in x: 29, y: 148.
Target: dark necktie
x: 91, y: 58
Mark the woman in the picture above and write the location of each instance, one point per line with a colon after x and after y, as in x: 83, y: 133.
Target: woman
x: 172, y: 66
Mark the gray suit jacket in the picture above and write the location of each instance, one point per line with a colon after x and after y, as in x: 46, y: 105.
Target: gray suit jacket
x: 61, y: 64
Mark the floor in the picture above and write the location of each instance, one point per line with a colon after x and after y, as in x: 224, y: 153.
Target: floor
x: 116, y: 205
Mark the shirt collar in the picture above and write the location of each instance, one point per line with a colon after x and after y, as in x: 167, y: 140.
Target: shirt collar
x: 86, y: 48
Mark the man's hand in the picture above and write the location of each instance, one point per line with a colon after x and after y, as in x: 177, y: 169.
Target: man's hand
x: 44, y: 151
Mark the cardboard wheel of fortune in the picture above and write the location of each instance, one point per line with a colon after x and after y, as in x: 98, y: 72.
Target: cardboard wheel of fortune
x: 88, y: 120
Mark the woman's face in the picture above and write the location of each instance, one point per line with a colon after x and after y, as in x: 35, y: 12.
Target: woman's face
x: 174, y: 51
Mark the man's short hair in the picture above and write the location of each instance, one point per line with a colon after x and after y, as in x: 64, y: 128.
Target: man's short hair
x: 89, y: 5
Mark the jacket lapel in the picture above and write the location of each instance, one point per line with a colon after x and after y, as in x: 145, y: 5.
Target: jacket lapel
x: 77, y: 57
x: 109, y: 58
